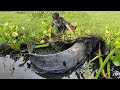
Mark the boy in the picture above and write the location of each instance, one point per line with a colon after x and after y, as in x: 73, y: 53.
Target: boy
x: 60, y: 23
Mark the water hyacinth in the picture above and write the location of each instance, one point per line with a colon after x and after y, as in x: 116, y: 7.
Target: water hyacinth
x: 23, y: 28
x: 14, y: 34
x: 6, y: 24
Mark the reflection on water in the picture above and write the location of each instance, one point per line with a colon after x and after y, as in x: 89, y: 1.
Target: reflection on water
x: 9, y: 69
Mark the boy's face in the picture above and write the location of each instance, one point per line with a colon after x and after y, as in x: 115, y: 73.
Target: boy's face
x: 56, y: 20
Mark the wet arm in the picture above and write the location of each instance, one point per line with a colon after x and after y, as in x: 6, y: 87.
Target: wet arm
x: 73, y: 25
x: 69, y: 29
x: 51, y: 28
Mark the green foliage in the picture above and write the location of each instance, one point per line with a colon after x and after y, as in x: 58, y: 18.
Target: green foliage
x: 3, y: 40
x: 14, y: 34
x: 116, y: 60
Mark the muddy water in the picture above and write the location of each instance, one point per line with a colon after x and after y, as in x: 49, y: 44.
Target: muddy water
x: 12, y: 69
x: 19, y: 69
x: 9, y: 69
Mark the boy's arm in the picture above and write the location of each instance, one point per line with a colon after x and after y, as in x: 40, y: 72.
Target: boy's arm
x: 66, y: 22
x: 73, y: 25
x: 50, y: 38
x: 70, y: 29
x: 67, y: 25
x: 51, y: 28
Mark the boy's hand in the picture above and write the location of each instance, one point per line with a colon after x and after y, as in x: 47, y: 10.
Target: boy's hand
x: 74, y: 36
x: 75, y: 27
x: 50, y: 39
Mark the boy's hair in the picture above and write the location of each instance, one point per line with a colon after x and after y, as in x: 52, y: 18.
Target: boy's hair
x: 55, y: 16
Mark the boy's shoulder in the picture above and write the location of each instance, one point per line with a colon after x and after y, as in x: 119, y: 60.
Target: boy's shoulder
x: 61, y: 17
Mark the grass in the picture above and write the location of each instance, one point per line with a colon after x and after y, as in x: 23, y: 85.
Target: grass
x: 93, y: 20
x: 106, y: 17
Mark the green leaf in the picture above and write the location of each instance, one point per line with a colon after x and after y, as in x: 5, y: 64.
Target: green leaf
x: 88, y: 31
x: 14, y: 41
x: 118, y: 39
x: 42, y: 42
x: 68, y: 32
x: 2, y: 40
x: 116, y: 60
x: 45, y: 32
x: 117, y: 44
x: 108, y: 42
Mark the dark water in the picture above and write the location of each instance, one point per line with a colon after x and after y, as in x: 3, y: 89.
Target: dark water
x: 14, y: 66
x: 11, y: 69
x: 19, y: 69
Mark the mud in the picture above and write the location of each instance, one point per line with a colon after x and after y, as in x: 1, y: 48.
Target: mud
x: 18, y: 66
